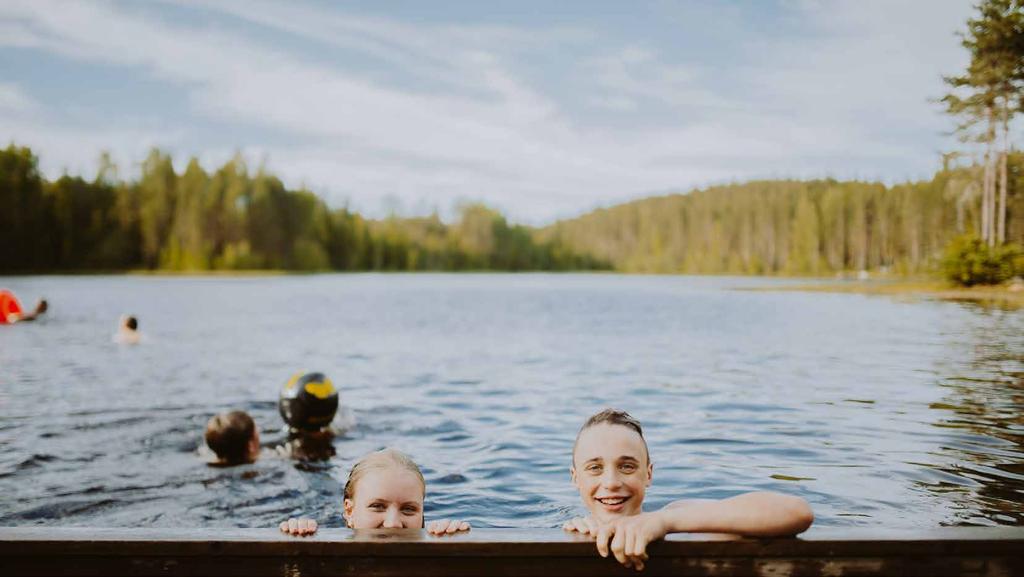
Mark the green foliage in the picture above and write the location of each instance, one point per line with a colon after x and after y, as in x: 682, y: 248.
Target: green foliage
x: 969, y: 261
x: 231, y: 220
x: 25, y: 213
x: 772, y: 227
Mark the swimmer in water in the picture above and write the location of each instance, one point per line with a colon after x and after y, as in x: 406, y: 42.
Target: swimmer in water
x: 385, y: 490
x: 128, y: 331
x: 611, y: 468
x: 10, y: 309
x: 308, y: 404
x: 234, y: 438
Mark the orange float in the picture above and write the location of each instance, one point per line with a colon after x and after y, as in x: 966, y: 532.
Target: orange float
x: 10, y: 308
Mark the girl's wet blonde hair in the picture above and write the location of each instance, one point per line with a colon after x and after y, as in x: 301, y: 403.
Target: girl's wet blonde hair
x: 378, y: 460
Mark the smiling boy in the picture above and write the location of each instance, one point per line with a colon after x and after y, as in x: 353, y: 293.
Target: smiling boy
x: 612, y: 469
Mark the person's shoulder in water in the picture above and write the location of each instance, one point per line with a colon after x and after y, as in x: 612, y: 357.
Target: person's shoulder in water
x: 128, y: 331
x: 233, y: 438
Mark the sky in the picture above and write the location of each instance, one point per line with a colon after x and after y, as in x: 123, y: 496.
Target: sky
x: 543, y: 110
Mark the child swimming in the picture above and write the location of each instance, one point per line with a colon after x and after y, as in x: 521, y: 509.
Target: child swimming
x: 612, y: 469
x: 385, y: 490
x: 234, y: 438
x: 128, y: 331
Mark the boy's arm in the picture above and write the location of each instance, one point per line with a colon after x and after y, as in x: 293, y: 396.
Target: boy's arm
x: 759, y: 514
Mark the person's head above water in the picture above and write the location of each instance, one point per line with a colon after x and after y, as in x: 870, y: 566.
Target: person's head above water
x: 611, y: 465
x: 385, y: 489
x: 233, y: 437
x: 131, y: 323
x: 308, y: 402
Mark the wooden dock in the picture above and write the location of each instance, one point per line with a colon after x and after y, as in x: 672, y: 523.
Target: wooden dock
x: 334, y: 552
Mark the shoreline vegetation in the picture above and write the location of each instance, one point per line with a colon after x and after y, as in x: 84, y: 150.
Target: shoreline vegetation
x: 235, y: 221
x: 1008, y: 295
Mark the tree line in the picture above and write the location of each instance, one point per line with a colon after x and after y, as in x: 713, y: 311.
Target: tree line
x: 233, y: 219
x: 790, y: 227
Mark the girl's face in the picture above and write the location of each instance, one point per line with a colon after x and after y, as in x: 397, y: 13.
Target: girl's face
x: 389, y: 498
x: 611, y: 471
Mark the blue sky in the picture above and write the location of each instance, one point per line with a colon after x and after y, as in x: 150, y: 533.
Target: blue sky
x: 542, y: 109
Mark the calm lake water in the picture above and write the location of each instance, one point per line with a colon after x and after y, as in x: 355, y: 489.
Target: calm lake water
x: 880, y: 412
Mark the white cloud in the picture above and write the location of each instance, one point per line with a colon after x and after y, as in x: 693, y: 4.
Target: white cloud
x: 453, y: 113
x: 12, y: 97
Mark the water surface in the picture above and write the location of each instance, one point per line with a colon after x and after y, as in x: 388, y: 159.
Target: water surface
x: 880, y: 412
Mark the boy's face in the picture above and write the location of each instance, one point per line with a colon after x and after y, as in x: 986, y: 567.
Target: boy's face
x: 611, y: 470
x: 390, y: 498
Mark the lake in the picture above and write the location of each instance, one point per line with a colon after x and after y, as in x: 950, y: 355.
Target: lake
x: 879, y: 411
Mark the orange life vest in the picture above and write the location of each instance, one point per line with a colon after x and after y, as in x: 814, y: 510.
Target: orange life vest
x: 10, y: 308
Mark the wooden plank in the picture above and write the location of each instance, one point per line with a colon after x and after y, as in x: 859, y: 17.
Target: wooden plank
x: 336, y: 552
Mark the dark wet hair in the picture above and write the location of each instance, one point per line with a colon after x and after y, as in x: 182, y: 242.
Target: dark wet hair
x: 228, y: 435
x: 132, y: 323
x: 612, y: 417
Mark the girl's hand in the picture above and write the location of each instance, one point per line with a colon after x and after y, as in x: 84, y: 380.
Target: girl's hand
x: 627, y: 538
x: 299, y: 527
x: 581, y: 525
x: 446, y: 527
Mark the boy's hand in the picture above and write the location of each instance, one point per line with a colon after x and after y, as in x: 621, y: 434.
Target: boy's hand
x: 299, y: 527
x: 627, y: 538
x: 582, y: 525
x: 446, y: 527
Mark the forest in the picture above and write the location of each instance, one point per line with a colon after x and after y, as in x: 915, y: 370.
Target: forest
x: 233, y: 220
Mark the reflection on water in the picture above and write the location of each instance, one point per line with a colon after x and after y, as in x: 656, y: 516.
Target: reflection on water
x: 983, y: 409
x: 879, y: 412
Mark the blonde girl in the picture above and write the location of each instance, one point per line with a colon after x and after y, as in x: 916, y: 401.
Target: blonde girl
x: 385, y: 490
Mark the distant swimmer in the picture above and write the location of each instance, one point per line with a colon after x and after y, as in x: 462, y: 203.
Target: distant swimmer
x: 308, y: 404
x: 11, y: 311
x: 128, y: 331
x: 234, y: 438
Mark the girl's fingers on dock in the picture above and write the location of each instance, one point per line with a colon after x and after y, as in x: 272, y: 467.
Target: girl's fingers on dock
x: 446, y: 527
x: 439, y: 527
x: 299, y: 526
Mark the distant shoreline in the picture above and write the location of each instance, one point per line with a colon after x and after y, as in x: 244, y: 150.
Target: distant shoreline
x: 1011, y: 295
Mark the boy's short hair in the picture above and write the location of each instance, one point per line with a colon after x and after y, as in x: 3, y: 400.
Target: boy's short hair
x: 228, y: 435
x: 132, y: 323
x: 612, y: 417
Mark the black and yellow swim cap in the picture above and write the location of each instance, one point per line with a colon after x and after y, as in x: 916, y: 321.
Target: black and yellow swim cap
x: 308, y: 401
